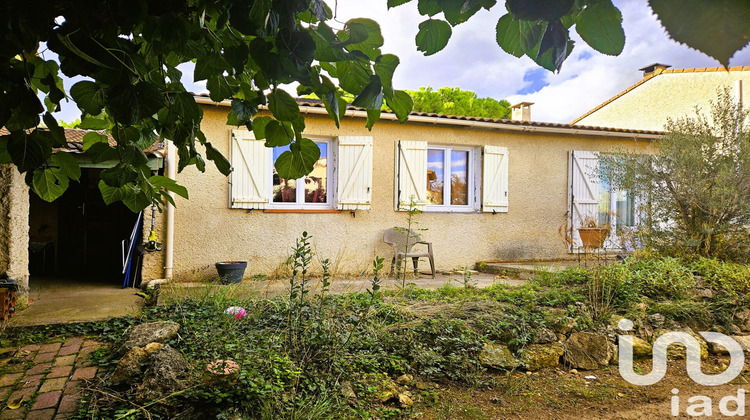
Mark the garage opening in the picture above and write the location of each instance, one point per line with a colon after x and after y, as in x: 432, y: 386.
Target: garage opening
x: 79, y: 237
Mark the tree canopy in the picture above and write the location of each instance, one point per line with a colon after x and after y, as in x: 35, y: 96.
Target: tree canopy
x: 455, y: 101
x: 128, y: 54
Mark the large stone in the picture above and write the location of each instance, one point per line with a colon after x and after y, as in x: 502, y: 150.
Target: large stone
x: 545, y: 336
x: 151, y: 332
x: 641, y: 348
x: 538, y: 356
x: 130, y: 368
x: 166, y: 374
x: 677, y: 351
x: 585, y: 350
x: 497, y: 356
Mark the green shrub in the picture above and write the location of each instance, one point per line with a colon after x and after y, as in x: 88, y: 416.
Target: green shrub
x: 664, y: 278
x: 721, y: 275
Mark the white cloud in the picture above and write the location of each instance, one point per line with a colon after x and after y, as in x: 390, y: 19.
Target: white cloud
x: 473, y: 60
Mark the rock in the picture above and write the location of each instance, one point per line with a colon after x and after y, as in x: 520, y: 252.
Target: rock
x: 151, y: 332
x: 657, y: 320
x: 642, y: 306
x: 405, y: 401
x: 405, y: 379
x: 347, y: 391
x: 388, y: 391
x: 735, y: 330
x: 677, y: 351
x: 538, y: 356
x: 130, y: 368
x: 422, y: 386
x: 166, y: 374
x: 585, y: 350
x: 544, y: 336
x: 497, y: 356
x: 573, y: 371
x: 641, y: 348
x: 743, y: 315
x: 705, y: 293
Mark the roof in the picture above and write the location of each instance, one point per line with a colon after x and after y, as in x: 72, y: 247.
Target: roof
x: 74, y: 138
x: 497, y: 123
x: 651, y: 76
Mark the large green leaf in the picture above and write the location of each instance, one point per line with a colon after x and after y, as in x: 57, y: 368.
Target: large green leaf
x: 168, y: 184
x: 540, y: 9
x: 433, y: 36
x: 299, y: 160
x: 29, y: 151
x: 353, y: 76
x: 372, y: 95
x: 50, y: 183
x: 278, y: 134
x: 282, y: 105
x: 110, y: 194
x: 373, y: 115
x: 222, y: 164
x: 119, y: 175
x: 385, y: 66
x: 600, y: 25
x: 259, y: 126
x: 394, y: 3
x: 186, y: 108
x: 517, y: 37
x: 89, y: 96
x: 4, y: 155
x: 429, y: 7
x: 102, y: 152
x: 68, y: 164
x: 91, y: 138
x: 553, y: 48
x: 401, y: 104
x: 718, y: 28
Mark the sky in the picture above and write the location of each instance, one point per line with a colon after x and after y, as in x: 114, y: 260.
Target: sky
x: 473, y: 60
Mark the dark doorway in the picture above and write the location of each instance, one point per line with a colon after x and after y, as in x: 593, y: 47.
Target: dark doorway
x: 88, y: 234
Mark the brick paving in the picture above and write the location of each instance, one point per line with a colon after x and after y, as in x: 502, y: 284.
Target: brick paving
x: 48, y: 377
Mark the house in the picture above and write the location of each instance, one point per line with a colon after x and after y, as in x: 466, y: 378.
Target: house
x: 666, y: 93
x: 489, y: 190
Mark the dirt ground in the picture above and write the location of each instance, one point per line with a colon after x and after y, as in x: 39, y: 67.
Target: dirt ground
x: 560, y: 394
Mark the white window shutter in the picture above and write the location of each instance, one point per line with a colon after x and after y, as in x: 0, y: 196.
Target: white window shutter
x: 411, y: 174
x: 354, y: 190
x: 584, y: 190
x: 250, y: 178
x: 495, y: 180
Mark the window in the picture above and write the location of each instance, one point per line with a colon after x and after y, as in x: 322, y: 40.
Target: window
x: 592, y: 197
x: 341, y: 178
x: 447, y: 178
x: 310, y: 191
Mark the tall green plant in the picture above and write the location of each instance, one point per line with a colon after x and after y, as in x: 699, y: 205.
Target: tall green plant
x: 410, y: 238
x: 697, y: 184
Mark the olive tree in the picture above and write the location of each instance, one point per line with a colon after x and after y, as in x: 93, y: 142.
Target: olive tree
x: 695, y: 190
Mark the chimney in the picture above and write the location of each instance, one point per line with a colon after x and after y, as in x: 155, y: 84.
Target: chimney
x: 521, y: 111
x: 654, y: 69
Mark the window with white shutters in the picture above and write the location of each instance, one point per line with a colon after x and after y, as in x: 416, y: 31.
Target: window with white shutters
x: 411, y: 174
x: 354, y: 173
x: 340, y: 179
x: 495, y: 185
x: 250, y: 171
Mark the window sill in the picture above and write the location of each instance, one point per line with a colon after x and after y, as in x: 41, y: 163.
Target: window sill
x: 302, y: 211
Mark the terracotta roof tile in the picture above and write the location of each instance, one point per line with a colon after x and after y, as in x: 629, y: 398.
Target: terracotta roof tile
x: 316, y: 103
x: 74, y: 137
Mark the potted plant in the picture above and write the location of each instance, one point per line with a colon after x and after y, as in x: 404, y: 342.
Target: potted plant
x: 231, y: 272
x: 592, y: 235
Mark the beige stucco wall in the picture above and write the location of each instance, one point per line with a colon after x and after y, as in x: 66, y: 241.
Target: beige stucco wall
x: 14, y: 228
x: 669, y: 94
x: 207, y: 231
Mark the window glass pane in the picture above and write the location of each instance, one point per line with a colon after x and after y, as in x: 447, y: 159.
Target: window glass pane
x: 625, y: 209
x: 317, y: 181
x: 435, y: 174
x: 460, y: 177
x: 284, y: 190
x: 603, y: 218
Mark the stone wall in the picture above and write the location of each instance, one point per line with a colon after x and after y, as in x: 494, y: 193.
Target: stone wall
x: 14, y: 228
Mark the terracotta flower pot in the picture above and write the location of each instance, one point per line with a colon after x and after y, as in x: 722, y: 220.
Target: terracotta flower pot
x: 593, y: 237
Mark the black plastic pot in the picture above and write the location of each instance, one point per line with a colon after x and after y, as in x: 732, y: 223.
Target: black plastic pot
x: 231, y: 272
